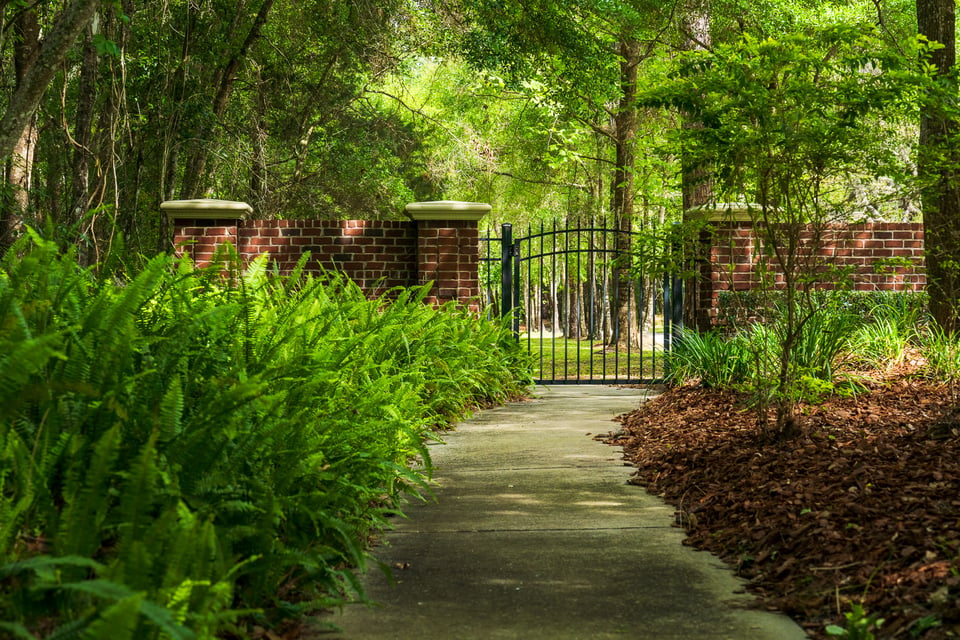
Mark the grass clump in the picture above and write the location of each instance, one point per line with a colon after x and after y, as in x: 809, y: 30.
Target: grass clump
x: 718, y: 361
x: 186, y: 452
x: 831, y: 338
x: 885, y: 339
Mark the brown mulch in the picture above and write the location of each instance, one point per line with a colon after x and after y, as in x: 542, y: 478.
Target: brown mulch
x: 863, y: 507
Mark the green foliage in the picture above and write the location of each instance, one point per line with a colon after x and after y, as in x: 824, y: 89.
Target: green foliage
x: 785, y: 122
x: 942, y: 353
x: 178, y: 451
x: 918, y: 628
x: 859, y: 626
x: 669, y: 249
x: 717, y: 361
x: 785, y: 117
x: 739, y: 309
x: 831, y: 337
x: 822, y: 338
x: 883, y: 342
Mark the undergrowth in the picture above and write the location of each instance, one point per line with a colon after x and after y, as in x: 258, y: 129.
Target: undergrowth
x: 832, y: 345
x: 187, y: 452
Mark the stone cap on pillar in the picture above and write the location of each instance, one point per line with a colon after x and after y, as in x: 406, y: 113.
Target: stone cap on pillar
x: 447, y: 210
x: 206, y: 208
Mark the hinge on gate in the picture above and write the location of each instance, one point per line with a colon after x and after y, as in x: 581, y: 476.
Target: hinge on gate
x: 515, y: 250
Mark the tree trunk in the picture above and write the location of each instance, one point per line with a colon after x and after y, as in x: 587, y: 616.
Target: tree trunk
x: 20, y: 165
x: 697, y: 183
x: 554, y: 307
x: 53, y: 49
x: 696, y: 179
x: 940, y: 159
x: 196, y: 173
x: 572, y: 328
x: 83, y: 128
x: 258, y: 142
x: 622, y: 190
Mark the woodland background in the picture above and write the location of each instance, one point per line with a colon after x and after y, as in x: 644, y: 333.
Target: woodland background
x: 354, y: 108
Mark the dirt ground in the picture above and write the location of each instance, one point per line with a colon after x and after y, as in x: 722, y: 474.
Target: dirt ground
x: 863, y: 507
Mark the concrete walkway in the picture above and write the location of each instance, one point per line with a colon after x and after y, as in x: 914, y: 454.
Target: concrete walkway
x: 536, y: 535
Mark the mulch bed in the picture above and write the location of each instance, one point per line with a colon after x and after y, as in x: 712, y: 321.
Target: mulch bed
x: 863, y: 507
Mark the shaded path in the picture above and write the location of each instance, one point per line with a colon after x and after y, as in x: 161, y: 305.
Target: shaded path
x: 536, y: 535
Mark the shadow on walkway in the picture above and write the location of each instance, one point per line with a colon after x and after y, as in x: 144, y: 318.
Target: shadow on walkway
x: 536, y: 535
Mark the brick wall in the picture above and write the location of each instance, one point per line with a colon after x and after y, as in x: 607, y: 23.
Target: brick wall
x: 449, y: 253
x: 377, y: 255
x: 734, y: 248
x: 199, y: 238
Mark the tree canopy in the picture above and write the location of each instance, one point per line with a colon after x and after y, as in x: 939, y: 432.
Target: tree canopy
x: 353, y: 109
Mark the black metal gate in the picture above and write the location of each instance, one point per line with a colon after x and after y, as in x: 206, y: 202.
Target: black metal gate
x: 580, y: 305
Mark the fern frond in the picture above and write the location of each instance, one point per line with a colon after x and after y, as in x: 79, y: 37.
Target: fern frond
x: 171, y: 410
x: 88, y: 504
x: 17, y: 630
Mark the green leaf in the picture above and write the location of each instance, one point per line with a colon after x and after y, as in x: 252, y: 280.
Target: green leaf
x: 117, y: 622
x: 17, y: 630
x: 45, y: 566
x: 171, y: 410
x: 105, y: 46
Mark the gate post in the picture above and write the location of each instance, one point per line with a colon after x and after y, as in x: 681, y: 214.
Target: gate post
x: 672, y: 302
x: 517, y: 288
x: 201, y: 225
x: 506, y: 269
x: 448, y: 251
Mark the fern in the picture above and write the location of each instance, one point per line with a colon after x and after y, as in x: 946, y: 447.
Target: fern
x: 89, y: 502
x: 118, y: 621
x: 171, y: 410
x: 214, y: 436
x: 16, y: 630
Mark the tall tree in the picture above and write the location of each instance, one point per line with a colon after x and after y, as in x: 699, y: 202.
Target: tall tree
x: 695, y: 32
x: 696, y: 179
x: 224, y: 79
x: 588, y: 54
x: 37, y: 73
x: 939, y: 162
x: 26, y: 46
x: 784, y: 119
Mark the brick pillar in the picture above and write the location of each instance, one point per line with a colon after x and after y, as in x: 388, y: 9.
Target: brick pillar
x: 725, y: 258
x: 448, y: 250
x: 200, y: 226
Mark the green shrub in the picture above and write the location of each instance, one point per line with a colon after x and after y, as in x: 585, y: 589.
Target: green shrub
x: 859, y: 625
x: 883, y: 340
x: 823, y: 337
x: 749, y: 358
x: 740, y: 309
x: 179, y: 450
x: 717, y: 361
x: 942, y: 353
